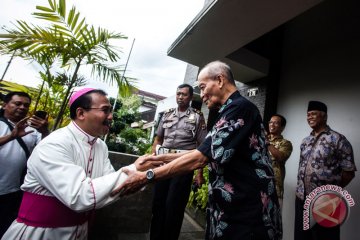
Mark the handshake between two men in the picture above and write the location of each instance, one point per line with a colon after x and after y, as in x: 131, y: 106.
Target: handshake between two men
x: 163, y: 164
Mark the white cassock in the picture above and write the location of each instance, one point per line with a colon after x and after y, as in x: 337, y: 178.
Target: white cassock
x: 79, y: 174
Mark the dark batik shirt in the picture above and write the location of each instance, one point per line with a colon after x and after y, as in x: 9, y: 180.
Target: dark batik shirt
x: 242, y: 193
x: 322, y: 159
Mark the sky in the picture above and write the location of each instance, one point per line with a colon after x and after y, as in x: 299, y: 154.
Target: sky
x: 154, y: 25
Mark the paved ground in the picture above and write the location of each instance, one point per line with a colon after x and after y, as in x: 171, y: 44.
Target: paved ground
x: 190, y: 231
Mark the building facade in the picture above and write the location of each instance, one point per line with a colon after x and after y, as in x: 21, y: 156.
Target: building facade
x: 283, y: 54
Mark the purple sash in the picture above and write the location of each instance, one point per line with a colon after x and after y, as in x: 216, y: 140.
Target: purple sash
x: 48, y: 212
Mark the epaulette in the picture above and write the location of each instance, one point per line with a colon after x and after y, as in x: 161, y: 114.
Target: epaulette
x: 170, y: 110
x: 197, y: 111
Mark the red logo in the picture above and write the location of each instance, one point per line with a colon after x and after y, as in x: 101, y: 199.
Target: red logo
x: 329, y: 209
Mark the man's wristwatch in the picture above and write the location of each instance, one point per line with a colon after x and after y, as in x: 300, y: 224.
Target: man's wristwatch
x: 150, y: 175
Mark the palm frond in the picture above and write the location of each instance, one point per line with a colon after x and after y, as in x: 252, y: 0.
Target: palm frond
x: 69, y: 39
x: 12, y: 87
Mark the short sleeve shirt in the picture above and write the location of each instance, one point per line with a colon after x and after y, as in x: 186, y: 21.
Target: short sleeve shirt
x: 322, y: 159
x: 13, y: 158
x: 241, y: 180
x: 285, y: 147
x: 182, y: 130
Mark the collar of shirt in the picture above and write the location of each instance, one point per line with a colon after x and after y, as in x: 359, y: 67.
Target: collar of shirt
x: 181, y: 114
x: 81, y: 134
x: 273, y: 138
x: 229, y: 100
x: 326, y: 131
x: 12, y: 123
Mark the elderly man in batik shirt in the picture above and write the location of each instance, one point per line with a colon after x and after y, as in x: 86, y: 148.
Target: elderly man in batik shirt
x: 280, y: 150
x: 242, y: 199
x: 326, y: 157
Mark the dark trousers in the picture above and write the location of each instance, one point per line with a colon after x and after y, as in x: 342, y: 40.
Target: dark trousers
x: 317, y: 232
x: 9, y: 207
x: 169, y: 202
x: 240, y: 232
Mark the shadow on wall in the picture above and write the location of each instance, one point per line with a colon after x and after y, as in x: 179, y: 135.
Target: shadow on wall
x: 130, y: 216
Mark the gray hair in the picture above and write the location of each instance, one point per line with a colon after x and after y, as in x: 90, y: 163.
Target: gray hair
x: 217, y: 67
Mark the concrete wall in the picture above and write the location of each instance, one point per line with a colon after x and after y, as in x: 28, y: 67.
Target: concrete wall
x: 321, y: 62
x: 128, y: 217
x: 191, y: 74
x: 258, y: 99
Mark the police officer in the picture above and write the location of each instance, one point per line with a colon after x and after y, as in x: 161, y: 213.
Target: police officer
x: 181, y: 129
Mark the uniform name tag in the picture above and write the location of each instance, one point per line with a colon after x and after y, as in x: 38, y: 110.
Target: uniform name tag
x: 190, y: 120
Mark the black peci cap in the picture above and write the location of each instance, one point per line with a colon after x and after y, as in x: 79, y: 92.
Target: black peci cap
x: 316, y: 105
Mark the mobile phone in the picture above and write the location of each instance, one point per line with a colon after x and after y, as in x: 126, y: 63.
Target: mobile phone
x: 41, y: 114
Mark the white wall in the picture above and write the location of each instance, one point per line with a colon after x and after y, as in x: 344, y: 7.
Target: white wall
x: 166, y: 104
x: 321, y: 61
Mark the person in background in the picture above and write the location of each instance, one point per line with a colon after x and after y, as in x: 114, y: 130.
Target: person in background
x: 181, y: 129
x: 17, y: 140
x: 280, y: 150
x: 326, y: 157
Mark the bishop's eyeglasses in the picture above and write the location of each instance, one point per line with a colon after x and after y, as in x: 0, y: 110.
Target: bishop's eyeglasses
x: 106, y: 110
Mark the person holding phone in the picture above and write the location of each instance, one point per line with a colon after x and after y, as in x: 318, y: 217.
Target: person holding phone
x: 17, y: 140
x: 39, y: 121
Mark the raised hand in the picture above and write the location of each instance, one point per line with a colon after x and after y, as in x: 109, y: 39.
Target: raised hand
x: 19, y: 129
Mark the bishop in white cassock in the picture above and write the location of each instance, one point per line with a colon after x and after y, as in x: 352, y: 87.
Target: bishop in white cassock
x: 69, y: 175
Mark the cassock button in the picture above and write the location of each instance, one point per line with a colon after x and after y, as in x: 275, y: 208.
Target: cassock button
x: 90, y: 159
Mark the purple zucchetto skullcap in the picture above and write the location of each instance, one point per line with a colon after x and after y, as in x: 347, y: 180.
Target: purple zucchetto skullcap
x: 78, y: 94
x: 317, y: 106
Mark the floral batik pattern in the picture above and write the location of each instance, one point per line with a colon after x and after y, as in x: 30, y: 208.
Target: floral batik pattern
x: 241, y: 180
x: 322, y: 159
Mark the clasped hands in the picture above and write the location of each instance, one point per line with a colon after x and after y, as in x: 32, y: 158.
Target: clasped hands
x: 137, y: 179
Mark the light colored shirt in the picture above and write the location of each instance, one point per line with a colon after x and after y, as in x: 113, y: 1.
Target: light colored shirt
x: 182, y: 130
x: 13, y: 158
x: 79, y: 174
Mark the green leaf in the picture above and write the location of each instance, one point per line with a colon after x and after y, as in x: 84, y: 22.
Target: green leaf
x: 71, y: 16
x: 79, y: 27
x: 52, y: 4
x: 45, y: 9
x: 67, y: 42
x: 62, y: 8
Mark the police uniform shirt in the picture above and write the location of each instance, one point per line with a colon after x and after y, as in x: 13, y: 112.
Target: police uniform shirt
x: 182, y: 130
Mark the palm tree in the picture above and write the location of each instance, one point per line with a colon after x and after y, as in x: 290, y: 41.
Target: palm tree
x: 73, y: 42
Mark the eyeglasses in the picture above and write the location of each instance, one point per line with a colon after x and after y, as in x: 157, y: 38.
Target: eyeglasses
x: 106, y: 110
